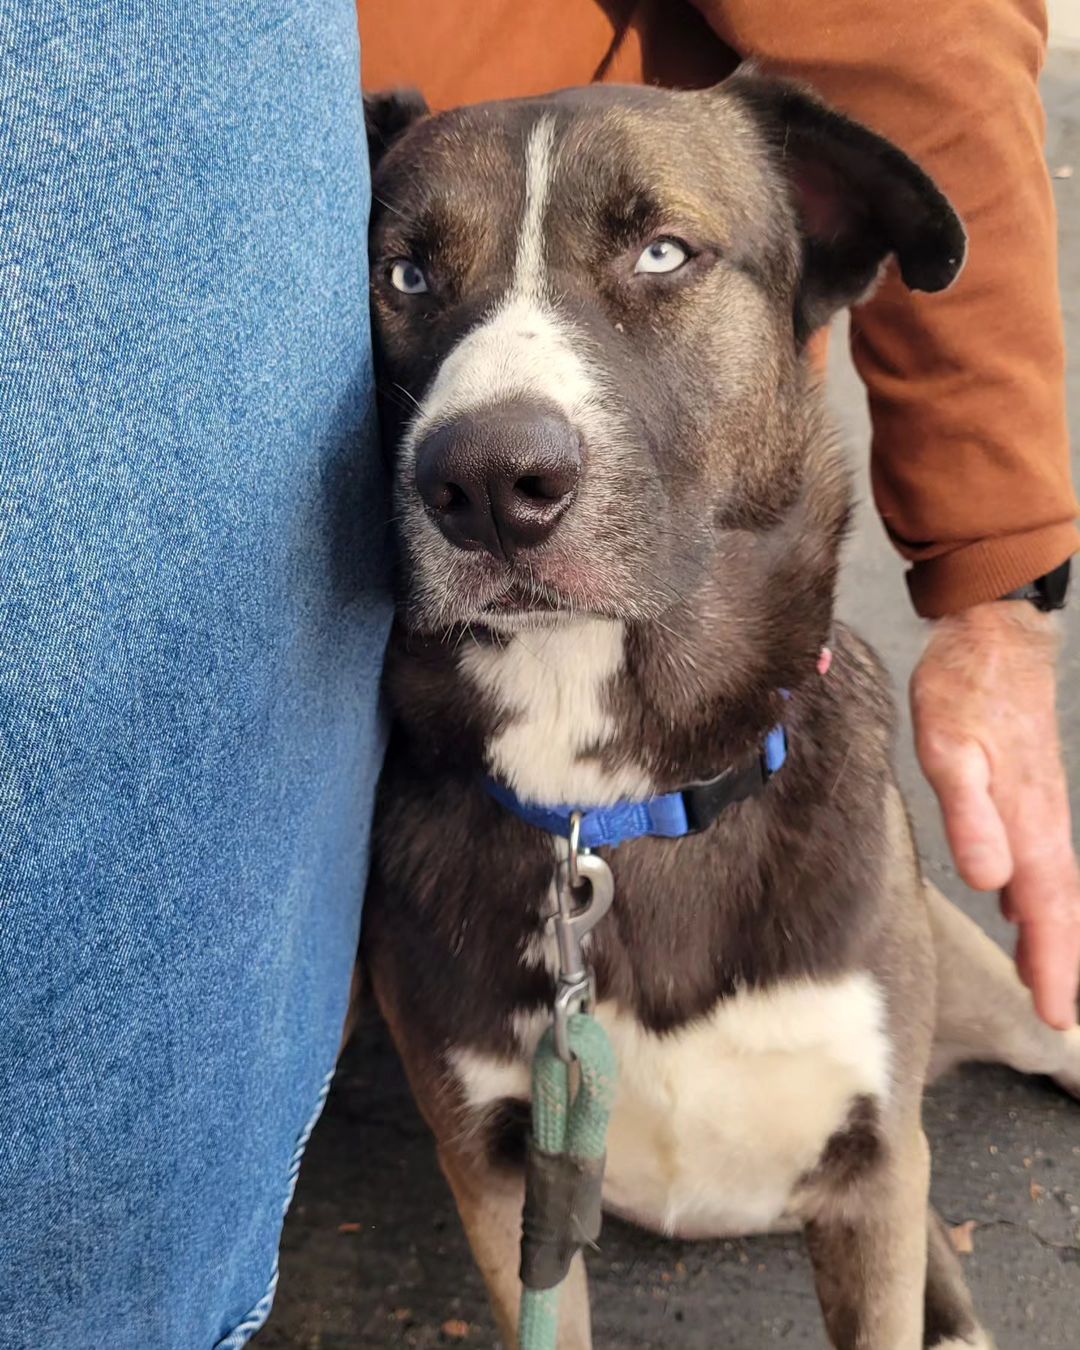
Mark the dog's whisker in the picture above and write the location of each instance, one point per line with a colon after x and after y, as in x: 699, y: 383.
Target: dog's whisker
x: 411, y: 397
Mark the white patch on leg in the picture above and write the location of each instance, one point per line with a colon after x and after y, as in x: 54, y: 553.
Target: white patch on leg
x: 982, y: 1341
x: 553, y: 684
x: 484, y: 1079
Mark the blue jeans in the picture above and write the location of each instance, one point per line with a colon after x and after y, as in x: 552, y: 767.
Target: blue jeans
x: 193, y: 606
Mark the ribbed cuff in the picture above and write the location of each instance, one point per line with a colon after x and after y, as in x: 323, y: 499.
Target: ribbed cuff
x: 976, y: 573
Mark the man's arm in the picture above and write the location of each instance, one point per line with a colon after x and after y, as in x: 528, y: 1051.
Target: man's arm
x: 970, y: 450
x: 970, y: 455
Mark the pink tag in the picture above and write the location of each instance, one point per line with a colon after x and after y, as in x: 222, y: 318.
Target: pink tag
x: 824, y: 661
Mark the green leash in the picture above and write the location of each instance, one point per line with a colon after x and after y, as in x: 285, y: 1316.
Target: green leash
x: 566, y: 1170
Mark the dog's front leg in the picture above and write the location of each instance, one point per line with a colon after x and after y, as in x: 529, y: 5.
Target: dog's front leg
x: 490, y: 1204
x: 868, y: 1248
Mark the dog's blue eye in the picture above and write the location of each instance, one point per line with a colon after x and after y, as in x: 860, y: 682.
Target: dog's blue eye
x: 664, y: 255
x: 406, y: 277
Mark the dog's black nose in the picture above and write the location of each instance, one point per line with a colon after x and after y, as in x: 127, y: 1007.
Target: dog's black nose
x: 500, y: 479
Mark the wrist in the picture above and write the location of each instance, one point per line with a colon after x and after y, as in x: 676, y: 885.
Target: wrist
x: 1006, y: 640
x: 1047, y: 592
x: 1001, y: 623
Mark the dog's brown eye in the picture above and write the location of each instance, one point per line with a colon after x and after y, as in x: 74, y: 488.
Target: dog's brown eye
x: 662, y: 255
x: 406, y: 277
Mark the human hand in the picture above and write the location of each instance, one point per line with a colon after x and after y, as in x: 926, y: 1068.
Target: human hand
x: 986, y: 733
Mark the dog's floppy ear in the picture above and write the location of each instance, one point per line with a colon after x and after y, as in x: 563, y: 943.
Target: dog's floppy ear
x: 859, y: 199
x: 387, y: 115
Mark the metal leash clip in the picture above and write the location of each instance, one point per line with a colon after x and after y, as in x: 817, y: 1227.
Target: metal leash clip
x: 575, y: 990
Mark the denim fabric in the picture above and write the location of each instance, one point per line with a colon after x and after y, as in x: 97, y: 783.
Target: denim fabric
x: 192, y: 615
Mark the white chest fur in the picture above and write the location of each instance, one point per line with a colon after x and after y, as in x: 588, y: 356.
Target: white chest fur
x: 715, y: 1124
x: 553, y: 685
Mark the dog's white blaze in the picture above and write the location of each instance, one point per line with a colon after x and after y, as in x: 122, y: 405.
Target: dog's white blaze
x: 552, y: 683
x: 715, y: 1124
x: 539, y: 168
x: 522, y: 349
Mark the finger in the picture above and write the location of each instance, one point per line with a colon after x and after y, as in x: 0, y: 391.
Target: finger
x: 959, y: 773
x: 1048, y: 959
x: 1033, y: 802
x: 1044, y: 898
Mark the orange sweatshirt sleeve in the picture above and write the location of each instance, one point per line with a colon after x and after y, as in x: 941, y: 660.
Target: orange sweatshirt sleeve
x: 970, y: 456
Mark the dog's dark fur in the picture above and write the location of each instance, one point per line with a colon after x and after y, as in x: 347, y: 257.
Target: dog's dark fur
x: 441, y: 829
x: 701, y: 547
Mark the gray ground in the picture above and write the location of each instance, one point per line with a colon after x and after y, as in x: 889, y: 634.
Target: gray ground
x: 373, y: 1256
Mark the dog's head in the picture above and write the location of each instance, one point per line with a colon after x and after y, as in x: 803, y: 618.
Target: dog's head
x: 590, y: 313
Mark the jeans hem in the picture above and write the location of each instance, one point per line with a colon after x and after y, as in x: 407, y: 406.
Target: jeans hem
x: 255, y: 1320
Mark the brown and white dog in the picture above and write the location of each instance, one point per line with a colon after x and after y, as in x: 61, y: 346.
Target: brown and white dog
x: 620, y: 509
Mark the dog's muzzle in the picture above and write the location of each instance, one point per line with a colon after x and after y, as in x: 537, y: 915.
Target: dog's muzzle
x: 500, y: 479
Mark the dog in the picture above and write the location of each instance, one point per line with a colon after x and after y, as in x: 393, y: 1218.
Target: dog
x: 620, y: 509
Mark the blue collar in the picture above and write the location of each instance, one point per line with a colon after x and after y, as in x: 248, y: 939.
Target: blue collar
x: 670, y: 816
